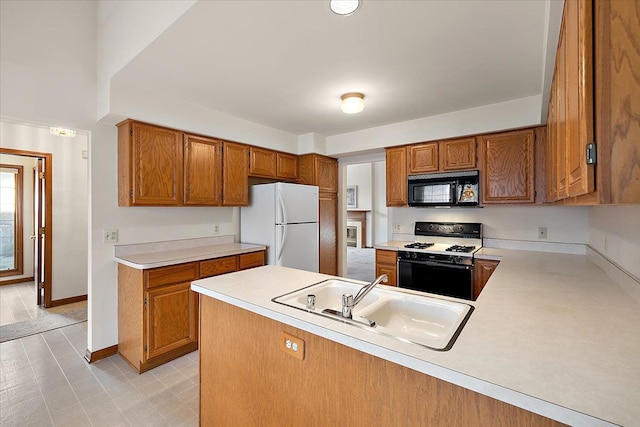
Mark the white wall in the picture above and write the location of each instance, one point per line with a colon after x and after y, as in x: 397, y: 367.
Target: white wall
x: 125, y: 28
x: 70, y: 201
x: 379, y: 202
x: 27, y: 164
x: 565, y: 224
x: 614, y: 231
x: 504, y: 115
x: 361, y: 176
x: 48, y: 62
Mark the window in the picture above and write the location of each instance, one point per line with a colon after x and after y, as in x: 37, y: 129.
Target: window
x: 10, y: 220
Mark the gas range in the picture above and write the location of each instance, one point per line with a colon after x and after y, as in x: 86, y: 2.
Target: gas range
x: 440, y: 260
x: 444, y: 242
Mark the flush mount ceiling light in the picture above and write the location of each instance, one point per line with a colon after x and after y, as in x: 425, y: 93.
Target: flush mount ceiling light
x: 62, y: 132
x: 344, y: 7
x: 352, y: 102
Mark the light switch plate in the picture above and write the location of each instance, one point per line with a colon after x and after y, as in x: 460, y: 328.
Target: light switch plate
x: 292, y: 345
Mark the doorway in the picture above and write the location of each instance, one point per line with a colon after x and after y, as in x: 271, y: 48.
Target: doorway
x: 38, y: 195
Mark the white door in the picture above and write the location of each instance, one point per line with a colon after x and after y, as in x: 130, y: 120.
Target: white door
x: 297, y: 246
x: 296, y: 203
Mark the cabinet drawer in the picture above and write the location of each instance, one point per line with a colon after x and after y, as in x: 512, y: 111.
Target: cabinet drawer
x: 250, y: 260
x: 213, y: 267
x: 386, y: 257
x: 168, y: 275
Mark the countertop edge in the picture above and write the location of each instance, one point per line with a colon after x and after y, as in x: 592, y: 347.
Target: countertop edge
x: 512, y: 397
x: 242, y: 248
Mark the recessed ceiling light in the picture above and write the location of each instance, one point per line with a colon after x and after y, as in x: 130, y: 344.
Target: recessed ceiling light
x: 57, y: 131
x: 344, y: 7
x: 352, y: 102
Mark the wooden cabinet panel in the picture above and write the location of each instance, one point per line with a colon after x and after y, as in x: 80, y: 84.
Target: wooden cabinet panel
x: 457, y: 154
x: 172, y: 318
x: 250, y: 260
x: 149, y: 165
x: 172, y: 274
x: 328, y: 206
x: 423, y: 158
x: 202, y: 171
x: 396, y: 175
x: 483, y: 269
x: 387, y: 263
x: 231, y: 381
x: 507, y: 167
x: 235, y: 180
x: 287, y: 167
x: 262, y: 162
x: 214, y: 267
x: 327, y: 174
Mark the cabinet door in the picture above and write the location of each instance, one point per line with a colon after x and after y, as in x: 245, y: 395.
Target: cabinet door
x: 327, y: 174
x: 172, y: 318
x: 328, y: 205
x: 457, y: 154
x: 202, y: 171
x: 287, y: 167
x: 483, y: 269
x: 396, y: 165
x: 423, y: 158
x: 235, y: 180
x: 386, y: 263
x: 507, y: 167
x: 262, y: 162
x: 157, y: 166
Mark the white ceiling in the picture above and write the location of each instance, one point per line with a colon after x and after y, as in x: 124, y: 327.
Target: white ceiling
x: 284, y: 64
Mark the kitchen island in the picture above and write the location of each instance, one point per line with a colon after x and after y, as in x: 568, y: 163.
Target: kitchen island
x: 551, y: 334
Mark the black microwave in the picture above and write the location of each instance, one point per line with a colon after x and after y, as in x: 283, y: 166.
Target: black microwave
x: 445, y: 189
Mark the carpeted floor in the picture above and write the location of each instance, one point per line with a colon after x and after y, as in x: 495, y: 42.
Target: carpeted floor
x: 361, y: 263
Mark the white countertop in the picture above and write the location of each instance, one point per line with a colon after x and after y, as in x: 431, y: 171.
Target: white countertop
x: 550, y: 333
x: 161, y: 254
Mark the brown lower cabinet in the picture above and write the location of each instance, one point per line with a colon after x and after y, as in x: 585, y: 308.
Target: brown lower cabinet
x: 158, y: 311
x: 387, y: 263
x: 483, y: 269
x: 255, y: 381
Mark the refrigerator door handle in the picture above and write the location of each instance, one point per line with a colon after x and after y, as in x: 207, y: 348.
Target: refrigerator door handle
x: 281, y: 207
x: 282, y: 242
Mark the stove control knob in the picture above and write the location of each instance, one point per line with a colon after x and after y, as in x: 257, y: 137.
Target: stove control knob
x: 407, y: 254
x: 457, y: 260
x: 414, y: 255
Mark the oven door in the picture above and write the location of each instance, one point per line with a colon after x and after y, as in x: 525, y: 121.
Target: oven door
x: 437, y: 278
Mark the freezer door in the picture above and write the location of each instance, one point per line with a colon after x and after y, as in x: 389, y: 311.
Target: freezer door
x: 297, y: 246
x: 296, y: 203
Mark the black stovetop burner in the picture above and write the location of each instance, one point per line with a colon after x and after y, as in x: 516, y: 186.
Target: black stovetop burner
x: 418, y: 245
x: 459, y: 248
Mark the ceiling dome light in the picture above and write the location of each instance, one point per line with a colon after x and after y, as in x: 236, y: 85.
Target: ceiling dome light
x: 58, y: 131
x: 352, y: 102
x: 344, y: 7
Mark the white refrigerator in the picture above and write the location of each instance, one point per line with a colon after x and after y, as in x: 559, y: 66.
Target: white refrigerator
x: 284, y: 218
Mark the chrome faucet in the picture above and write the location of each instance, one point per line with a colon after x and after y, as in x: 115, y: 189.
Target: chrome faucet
x: 349, y: 302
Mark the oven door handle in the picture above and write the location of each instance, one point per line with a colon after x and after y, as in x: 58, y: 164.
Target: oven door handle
x: 437, y: 264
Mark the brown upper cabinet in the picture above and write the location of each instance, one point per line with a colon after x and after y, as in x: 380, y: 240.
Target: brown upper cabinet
x: 457, y: 154
x: 319, y: 170
x: 149, y: 165
x: 396, y: 173
x: 594, y: 99
x: 235, y: 171
x: 202, y: 171
x: 449, y: 155
x: 266, y: 163
x: 570, y: 119
x: 507, y: 167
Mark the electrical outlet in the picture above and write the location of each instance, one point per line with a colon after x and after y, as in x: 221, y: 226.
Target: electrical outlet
x: 216, y: 229
x: 542, y: 232
x: 292, y: 345
x: 396, y: 227
x: 110, y: 236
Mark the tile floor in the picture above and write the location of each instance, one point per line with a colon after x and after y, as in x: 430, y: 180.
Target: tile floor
x: 45, y: 381
x: 18, y: 303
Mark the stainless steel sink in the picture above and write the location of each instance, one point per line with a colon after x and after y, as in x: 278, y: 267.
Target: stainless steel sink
x: 419, y: 319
